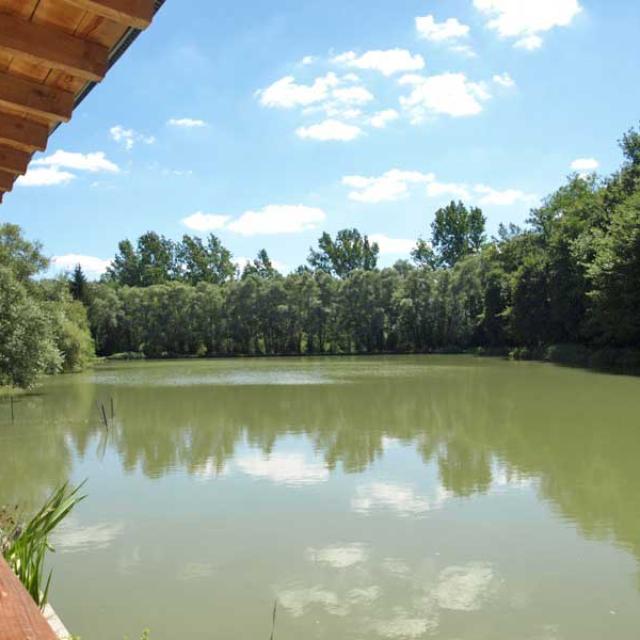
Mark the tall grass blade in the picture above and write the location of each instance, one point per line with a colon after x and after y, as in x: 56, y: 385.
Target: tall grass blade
x: 26, y: 547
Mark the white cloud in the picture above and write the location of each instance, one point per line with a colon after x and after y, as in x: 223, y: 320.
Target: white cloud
x: 381, y: 119
x: 353, y: 95
x: 507, y: 197
x: 278, y: 219
x: 445, y: 94
x: 451, y: 29
x: 504, y: 80
x: 44, y: 177
x: 396, y: 184
x: 92, y: 266
x: 339, y: 556
x: 390, y: 186
x: 529, y: 43
x: 585, y: 165
x: 387, y: 62
x: 393, y: 246
x: 339, y: 98
x: 329, y: 130
x: 307, y: 60
x: 480, y: 193
x: 129, y: 137
x: 284, y: 468
x: 50, y: 170
x: 188, y: 123
x: 204, y: 222
x: 463, y: 50
x: 92, y: 162
x: 525, y: 20
x: 286, y: 93
x: 449, y: 189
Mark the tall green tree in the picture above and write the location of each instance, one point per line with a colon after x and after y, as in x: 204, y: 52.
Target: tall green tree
x: 199, y: 262
x: 457, y: 232
x: 156, y: 259
x: 27, y: 342
x: 125, y: 268
x: 349, y: 251
x: 78, y: 284
x: 24, y: 258
x: 261, y: 266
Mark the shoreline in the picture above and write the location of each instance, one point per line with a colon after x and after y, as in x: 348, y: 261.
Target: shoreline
x: 620, y: 360
x: 56, y: 624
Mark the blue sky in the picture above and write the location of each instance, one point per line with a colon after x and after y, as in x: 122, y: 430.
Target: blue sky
x: 267, y: 122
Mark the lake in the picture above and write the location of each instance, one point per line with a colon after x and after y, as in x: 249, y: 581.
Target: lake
x: 404, y: 497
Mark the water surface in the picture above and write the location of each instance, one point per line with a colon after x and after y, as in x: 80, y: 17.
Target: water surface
x: 405, y: 497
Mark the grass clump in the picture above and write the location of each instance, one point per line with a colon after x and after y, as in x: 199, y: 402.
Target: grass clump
x: 25, y: 546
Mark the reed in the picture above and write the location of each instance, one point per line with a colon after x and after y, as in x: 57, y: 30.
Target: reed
x: 25, y: 547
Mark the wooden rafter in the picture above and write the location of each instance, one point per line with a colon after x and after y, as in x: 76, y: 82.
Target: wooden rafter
x: 53, y: 47
x: 52, y: 53
x: 14, y: 160
x: 6, y: 181
x: 23, y: 134
x: 132, y: 13
x: 35, y: 98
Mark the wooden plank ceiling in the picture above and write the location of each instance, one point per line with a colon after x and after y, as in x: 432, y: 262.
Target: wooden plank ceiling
x: 52, y: 52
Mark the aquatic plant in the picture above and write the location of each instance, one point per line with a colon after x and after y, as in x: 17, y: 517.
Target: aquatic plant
x: 25, y: 546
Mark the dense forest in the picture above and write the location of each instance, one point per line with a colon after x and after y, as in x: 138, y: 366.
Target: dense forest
x: 570, y: 277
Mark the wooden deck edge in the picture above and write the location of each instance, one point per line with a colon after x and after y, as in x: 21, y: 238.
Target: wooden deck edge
x: 20, y: 616
x: 55, y: 623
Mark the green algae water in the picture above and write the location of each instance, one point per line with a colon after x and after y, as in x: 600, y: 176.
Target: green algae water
x: 405, y: 497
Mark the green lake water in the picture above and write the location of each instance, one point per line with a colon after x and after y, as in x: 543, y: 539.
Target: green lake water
x: 405, y: 497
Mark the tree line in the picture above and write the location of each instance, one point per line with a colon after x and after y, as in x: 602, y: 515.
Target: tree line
x: 571, y: 276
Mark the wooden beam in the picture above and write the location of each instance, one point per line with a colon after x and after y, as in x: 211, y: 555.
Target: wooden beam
x: 23, y: 134
x: 20, y: 617
x: 53, y: 47
x: 13, y: 160
x: 132, y: 13
x: 35, y: 98
x: 6, y: 180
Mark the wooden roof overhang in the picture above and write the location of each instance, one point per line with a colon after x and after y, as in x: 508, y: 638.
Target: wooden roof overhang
x: 52, y: 53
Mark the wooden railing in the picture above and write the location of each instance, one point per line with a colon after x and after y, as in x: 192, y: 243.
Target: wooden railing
x: 20, y: 617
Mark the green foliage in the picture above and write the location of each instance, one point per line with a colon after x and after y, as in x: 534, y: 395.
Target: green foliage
x: 27, y: 338
x: 457, y: 232
x: 42, y: 328
x: 157, y: 260
x: 24, y: 258
x: 198, y: 262
x: 423, y: 255
x: 78, y: 285
x: 261, y: 267
x: 572, y: 276
x: 69, y: 323
x: 349, y: 252
x: 25, y: 547
x: 614, y: 275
